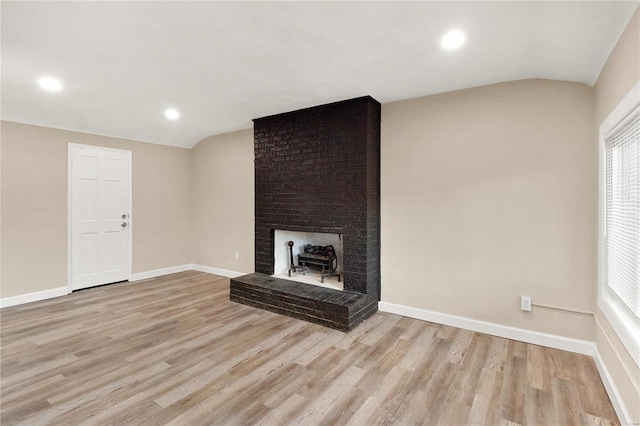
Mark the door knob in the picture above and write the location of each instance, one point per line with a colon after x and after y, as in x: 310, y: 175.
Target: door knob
x: 123, y: 224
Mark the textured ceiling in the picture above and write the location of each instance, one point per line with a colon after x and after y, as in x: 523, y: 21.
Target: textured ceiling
x: 222, y: 64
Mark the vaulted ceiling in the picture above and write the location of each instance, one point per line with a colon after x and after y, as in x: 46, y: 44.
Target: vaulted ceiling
x: 221, y: 64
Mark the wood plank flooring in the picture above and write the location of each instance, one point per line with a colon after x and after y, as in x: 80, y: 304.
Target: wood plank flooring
x: 174, y: 350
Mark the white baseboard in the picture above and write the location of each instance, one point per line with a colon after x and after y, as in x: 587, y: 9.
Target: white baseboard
x: 217, y: 271
x: 62, y: 291
x: 549, y: 340
x: 612, y: 390
x: 159, y: 272
x: 552, y: 341
x: 5, y: 302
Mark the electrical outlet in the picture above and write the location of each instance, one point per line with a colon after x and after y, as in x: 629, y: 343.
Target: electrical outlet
x: 525, y: 303
x: 237, y: 255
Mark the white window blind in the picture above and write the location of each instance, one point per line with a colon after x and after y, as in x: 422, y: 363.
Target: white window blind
x: 622, y: 214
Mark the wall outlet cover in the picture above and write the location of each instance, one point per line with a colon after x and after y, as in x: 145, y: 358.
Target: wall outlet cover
x: 525, y: 303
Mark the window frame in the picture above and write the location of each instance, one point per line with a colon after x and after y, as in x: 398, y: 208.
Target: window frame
x: 625, y: 326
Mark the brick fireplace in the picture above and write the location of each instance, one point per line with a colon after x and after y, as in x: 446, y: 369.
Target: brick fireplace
x: 317, y: 170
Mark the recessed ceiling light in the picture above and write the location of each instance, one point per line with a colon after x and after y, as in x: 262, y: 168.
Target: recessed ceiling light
x: 171, y: 114
x: 49, y: 83
x: 453, y: 39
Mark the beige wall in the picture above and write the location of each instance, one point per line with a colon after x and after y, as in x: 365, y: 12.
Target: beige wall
x: 489, y: 194
x: 34, y: 205
x: 620, y: 72
x: 619, y: 75
x: 223, y: 194
x: 0, y: 208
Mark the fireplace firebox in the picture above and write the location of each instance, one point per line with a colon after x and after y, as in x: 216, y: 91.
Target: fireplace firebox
x: 317, y: 170
x: 287, y: 258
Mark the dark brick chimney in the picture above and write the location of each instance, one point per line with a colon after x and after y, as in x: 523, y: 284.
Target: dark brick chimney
x: 318, y: 170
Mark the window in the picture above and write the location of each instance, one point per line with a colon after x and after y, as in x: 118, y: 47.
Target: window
x: 622, y: 213
x: 619, y: 288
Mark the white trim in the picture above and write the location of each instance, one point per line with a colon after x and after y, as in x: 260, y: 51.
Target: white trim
x: 69, y: 210
x: 549, y: 340
x: 160, y: 272
x: 534, y: 337
x: 63, y: 291
x: 33, y: 297
x: 218, y: 271
x: 609, y: 384
x: 624, y: 327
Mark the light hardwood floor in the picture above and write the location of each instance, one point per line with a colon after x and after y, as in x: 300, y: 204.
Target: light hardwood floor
x: 174, y: 350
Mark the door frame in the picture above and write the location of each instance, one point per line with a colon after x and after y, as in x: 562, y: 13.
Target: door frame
x: 70, y: 148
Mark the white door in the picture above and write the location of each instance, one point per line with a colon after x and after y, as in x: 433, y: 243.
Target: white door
x: 100, y: 198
